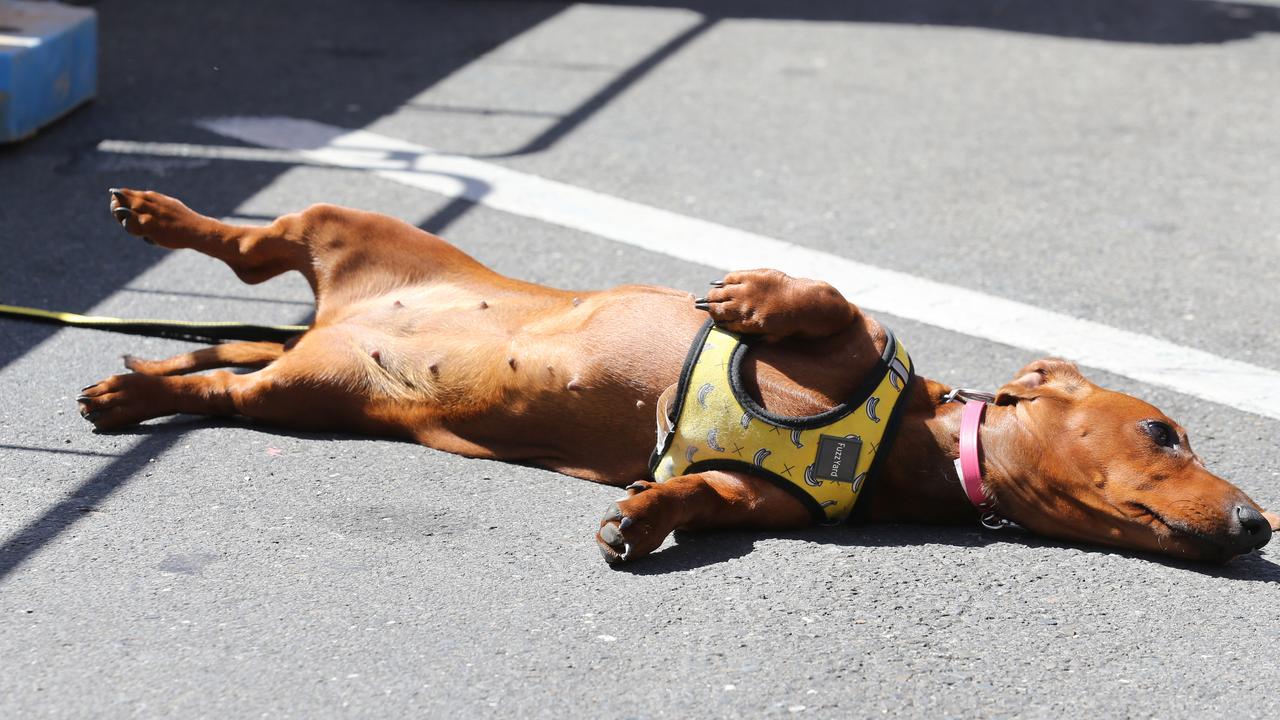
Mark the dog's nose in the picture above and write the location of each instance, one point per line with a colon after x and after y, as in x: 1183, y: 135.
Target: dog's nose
x: 1252, y: 530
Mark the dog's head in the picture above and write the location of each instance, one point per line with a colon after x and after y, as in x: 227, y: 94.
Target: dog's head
x: 1077, y: 461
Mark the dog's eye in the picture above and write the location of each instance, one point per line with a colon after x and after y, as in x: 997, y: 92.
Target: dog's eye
x: 1161, y: 434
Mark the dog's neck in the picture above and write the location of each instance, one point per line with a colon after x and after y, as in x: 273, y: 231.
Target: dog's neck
x: 919, y: 481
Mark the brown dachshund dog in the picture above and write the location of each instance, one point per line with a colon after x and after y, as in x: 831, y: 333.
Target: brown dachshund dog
x: 415, y: 339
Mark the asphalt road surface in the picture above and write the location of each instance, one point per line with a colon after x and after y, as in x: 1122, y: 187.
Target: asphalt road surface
x: 1110, y: 160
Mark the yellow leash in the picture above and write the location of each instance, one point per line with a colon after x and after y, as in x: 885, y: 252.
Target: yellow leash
x: 208, y: 332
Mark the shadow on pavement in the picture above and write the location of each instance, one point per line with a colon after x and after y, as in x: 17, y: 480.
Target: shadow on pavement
x: 696, y: 550
x: 164, y: 65
x: 610, y: 91
x: 154, y: 439
x: 32, y: 537
x: 1159, y: 22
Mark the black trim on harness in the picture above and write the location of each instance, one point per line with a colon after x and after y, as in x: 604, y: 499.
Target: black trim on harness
x: 883, y: 366
x: 807, y: 422
x: 691, y: 359
x: 858, y: 516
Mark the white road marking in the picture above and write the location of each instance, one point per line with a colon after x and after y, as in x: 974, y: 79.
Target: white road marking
x: 1141, y: 357
x: 211, y: 152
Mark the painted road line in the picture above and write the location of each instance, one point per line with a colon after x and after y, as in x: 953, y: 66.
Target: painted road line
x: 217, y: 152
x: 1141, y: 357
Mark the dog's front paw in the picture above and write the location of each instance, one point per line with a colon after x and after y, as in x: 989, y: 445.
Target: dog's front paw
x: 631, y: 528
x: 750, y: 302
x: 156, y: 218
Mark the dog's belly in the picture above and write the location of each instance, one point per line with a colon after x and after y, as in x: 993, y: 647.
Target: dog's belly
x: 562, y: 380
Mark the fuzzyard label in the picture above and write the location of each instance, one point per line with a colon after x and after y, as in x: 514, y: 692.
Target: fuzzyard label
x: 837, y: 458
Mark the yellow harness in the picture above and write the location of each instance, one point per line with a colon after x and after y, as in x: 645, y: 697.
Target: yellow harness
x: 824, y: 460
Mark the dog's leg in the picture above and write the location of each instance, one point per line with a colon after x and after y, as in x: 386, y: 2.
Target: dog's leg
x: 776, y: 305
x: 241, y: 354
x: 345, y: 254
x: 123, y: 400
x: 317, y: 385
x: 637, y: 525
x: 255, y: 254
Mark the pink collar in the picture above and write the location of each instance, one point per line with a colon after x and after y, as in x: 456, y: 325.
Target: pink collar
x: 969, y: 463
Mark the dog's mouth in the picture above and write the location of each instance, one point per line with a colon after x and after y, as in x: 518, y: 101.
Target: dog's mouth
x: 1205, y: 546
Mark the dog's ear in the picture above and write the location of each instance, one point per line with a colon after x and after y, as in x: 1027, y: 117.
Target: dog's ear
x: 1040, y: 378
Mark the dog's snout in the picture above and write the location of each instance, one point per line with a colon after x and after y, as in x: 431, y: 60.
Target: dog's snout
x: 1252, y: 530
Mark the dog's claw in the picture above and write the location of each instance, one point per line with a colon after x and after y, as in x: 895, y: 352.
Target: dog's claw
x: 116, y: 193
x: 625, y: 522
x: 702, y: 306
x: 717, y: 283
x: 92, y: 416
x: 87, y: 388
x: 83, y: 398
x: 122, y: 213
x: 637, y: 486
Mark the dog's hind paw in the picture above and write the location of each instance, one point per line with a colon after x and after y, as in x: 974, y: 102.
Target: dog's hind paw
x: 156, y: 218
x: 118, y: 401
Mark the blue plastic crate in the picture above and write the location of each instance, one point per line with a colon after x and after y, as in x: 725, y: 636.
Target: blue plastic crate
x: 48, y: 63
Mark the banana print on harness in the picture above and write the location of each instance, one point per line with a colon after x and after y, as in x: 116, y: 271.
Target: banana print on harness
x: 809, y: 479
x: 898, y: 374
x: 713, y: 436
x: 716, y: 429
x: 872, y: 402
x: 761, y: 454
x: 703, y: 392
